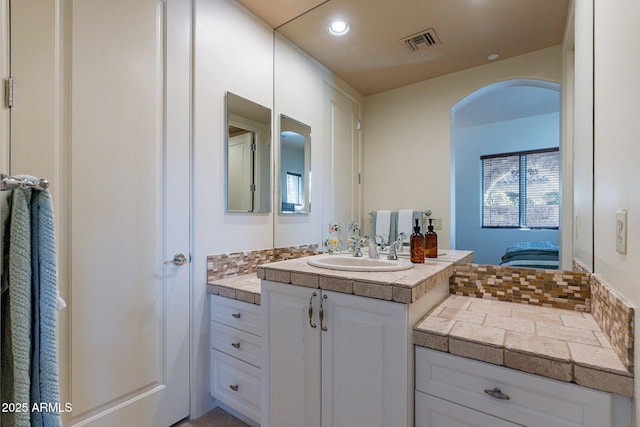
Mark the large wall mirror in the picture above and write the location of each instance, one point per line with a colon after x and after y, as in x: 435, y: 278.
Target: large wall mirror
x: 295, y: 166
x: 248, y: 155
x: 347, y: 57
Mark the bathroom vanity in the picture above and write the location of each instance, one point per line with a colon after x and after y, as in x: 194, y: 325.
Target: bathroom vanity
x: 338, y: 346
x: 395, y: 348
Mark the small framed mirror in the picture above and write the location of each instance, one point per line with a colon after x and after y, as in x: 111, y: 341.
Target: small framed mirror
x: 248, y: 155
x: 295, y: 166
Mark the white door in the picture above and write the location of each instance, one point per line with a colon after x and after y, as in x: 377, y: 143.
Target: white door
x: 291, y: 344
x: 111, y: 80
x: 342, y: 200
x: 364, y: 362
x: 240, y: 178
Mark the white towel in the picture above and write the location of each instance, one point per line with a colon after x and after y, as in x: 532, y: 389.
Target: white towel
x: 406, y: 222
x: 383, y: 225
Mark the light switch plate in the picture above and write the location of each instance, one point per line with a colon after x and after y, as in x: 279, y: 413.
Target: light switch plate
x: 621, y: 232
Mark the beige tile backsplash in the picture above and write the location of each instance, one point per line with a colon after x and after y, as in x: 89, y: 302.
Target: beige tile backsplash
x: 225, y: 265
x: 579, y: 291
x: 552, y: 288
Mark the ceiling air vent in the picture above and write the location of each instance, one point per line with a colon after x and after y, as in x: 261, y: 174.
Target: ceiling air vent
x: 421, y: 40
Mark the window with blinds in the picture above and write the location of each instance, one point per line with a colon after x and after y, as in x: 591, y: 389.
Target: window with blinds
x: 521, y: 190
x: 294, y: 188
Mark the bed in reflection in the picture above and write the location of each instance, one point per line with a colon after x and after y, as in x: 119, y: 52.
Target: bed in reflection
x: 540, y: 254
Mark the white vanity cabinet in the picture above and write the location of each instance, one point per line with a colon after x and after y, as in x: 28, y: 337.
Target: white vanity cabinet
x: 333, y: 359
x: 234, y: 371
x: 456, y: 391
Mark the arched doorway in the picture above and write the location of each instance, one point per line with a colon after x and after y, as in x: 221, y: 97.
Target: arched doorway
x: 508, y: 118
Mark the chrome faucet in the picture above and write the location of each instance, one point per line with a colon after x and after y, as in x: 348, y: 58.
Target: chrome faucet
x: 373, y: 247
x: 396, y: 247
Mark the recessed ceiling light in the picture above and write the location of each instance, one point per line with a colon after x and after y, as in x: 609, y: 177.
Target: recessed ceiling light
x: 338, y: 28
x: 493, y: 56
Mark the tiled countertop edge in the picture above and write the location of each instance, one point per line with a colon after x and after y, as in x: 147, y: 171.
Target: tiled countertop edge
x: 405, y: 290
x: 567, y: 370
x: 234, y: 293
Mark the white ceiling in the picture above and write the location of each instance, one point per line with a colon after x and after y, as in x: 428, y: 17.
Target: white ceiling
x: 371, y: 57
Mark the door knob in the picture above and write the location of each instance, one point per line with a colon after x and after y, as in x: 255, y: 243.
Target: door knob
x: 178, y: 259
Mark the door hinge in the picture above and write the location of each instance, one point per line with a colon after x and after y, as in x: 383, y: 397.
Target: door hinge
x: 358, y: 178
x: 9, y: 92
x: 252, y: 187
x: 253, y: 146
x: 359, y: 125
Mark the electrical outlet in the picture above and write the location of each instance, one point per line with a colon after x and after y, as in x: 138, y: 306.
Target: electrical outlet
x: 621, y: 232
x: 437, y: 223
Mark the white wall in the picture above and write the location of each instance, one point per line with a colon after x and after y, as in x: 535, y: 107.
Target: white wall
x: 617, y: 149
x: 299, y: 94
x: 233, y: 51
x: 408, y: 133
x: 529, y: 133
x: 298, y: 84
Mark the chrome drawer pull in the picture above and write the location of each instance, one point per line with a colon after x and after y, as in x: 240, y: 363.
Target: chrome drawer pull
x: 234, y: 387
x: 236, y: 315
x: 313, y: 325
x: 235, y: 344
x: 497, y: 393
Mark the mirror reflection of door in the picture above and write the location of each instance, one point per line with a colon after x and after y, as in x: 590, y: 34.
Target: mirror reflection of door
x: 248, y: 155
x: 241, y: 194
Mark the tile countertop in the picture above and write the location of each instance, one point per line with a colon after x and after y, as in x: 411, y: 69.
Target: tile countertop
x: 565, y: 345
x: 404, y: 286
x: 245, y: 287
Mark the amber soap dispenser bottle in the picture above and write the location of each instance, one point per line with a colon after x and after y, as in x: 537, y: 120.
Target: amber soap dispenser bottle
x: 431, y: 238
x: 417, y: 245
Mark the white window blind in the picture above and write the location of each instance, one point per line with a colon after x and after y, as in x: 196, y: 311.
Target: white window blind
x: 521, y: 189
x: 294, y: 188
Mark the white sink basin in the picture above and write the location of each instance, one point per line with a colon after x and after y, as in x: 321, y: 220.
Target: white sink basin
x: 364, y: 263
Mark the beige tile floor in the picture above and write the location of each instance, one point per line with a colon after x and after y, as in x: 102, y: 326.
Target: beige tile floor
x: 217, y: 417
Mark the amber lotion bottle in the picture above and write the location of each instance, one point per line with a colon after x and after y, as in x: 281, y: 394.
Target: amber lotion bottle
x: 417, y: 245
x: 431, y: 239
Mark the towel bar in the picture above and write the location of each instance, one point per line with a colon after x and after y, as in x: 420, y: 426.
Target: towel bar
x: 427, y: 212
x: 11, y: 182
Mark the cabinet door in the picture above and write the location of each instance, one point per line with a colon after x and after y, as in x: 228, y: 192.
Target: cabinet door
x: 292, y: 356
x: 434, y: 412
x: 364, y: 362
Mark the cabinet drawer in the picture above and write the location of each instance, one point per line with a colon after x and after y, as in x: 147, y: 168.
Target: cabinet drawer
x: 234, y: 342
x: 235, y: 383
x: 533, y: 400
x: 237, y: 314
x: 434, y: 412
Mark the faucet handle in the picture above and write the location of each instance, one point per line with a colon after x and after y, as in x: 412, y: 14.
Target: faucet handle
x: 379, y: 241
x: 402, y: 237
x: 357, y: 242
